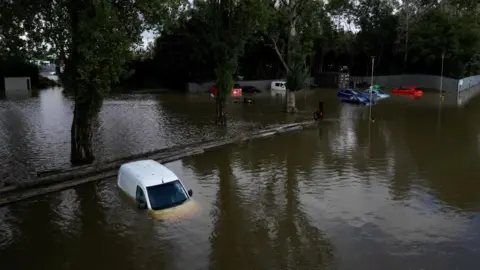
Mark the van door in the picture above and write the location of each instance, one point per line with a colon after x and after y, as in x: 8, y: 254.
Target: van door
x: 141, y: 199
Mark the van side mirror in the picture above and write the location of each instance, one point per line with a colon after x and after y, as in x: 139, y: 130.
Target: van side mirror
x: 190, y: 192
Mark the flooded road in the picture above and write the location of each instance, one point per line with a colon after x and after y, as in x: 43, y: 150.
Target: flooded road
x: 399, y: 193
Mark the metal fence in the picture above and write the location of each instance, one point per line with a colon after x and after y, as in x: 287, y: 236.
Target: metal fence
x: 260, y: 84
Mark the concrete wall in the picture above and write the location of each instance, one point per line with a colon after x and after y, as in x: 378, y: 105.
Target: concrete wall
x: 468, y: 82
x: 424, y: 81
x: 203, y: 87
x: 464, y: 96
x: 263, y: 85
x: 17, y: 83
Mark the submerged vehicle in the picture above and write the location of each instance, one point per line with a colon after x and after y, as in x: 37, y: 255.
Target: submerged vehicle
x: 376, y: 92
x: 410, y: 90
x: 235, y: 92
x: 352, y: 96
x: 152, y: 185
x: 250, y: 89
x: 278, y: 86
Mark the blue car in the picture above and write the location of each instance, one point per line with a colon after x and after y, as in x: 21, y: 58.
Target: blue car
x: 352, y: 96
x: 376, y: 94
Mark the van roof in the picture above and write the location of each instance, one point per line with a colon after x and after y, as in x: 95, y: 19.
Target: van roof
x: 149, y: 172
x: 278, y: 82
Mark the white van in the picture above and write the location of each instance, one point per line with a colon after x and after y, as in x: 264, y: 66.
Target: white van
x: 278, y: 86
x: 152, y: 185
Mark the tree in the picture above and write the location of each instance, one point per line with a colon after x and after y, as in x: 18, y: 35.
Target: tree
x: 457, y: 36
x: 184, y: 53
x: 290, y: 33
x: 377, y: 29
x: 230, y: 24
x: 94, y: 37
x: 18, y: 27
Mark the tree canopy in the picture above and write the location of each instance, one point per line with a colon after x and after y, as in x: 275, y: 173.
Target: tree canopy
x: 404, y: 36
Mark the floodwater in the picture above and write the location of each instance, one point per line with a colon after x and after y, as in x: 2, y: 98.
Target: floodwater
x: 402, y: 192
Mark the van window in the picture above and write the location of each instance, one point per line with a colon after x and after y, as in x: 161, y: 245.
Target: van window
x: 277, y: 85
x: 140, y: 196
x: 166, y: 195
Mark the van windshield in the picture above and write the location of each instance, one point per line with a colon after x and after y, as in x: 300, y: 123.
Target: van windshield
x: 166, y: 195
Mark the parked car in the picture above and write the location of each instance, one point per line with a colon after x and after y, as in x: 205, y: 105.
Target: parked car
x: 278, y: 86
x: 235, y: 92
x: 410, y: 90
x: 352, y: 96
x: 152, y: 185
x: 376, y: 92
x: 250, y: 89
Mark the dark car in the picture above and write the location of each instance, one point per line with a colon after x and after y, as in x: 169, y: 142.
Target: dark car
x: 350, y: 95
x: 250, y: 89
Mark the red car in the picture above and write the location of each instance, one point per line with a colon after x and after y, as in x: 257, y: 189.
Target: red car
x: 235, y: 92
x: 410, y: 90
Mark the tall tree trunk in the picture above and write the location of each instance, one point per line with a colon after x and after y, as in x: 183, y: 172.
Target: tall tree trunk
x: 407, y: 34
x: 88, y: 100
x: 220, y: 114
x: 290, y: 104
x: 224, y: 75
x: 81, y: 134
x: 322, y: 58
x: 293, y: 63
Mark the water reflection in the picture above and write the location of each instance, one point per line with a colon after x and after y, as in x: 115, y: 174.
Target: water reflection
x: 18, y: 94
x: 127, y: 124
x: 18, y: 134
x: 278, y: 94
x: 8, y: 230
x: 259, y: 220
x: 67, y: 212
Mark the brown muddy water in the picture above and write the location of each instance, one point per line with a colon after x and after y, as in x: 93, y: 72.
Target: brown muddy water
x: 402, y: 192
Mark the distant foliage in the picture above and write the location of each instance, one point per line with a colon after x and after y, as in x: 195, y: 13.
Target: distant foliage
x: 404, y: 36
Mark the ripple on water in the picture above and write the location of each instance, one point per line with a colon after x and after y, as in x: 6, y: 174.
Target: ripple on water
x: 67, y: 211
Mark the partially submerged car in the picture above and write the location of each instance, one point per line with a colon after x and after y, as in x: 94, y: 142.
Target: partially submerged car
x: 376, y: 92
x: 410, y: 90
x: 250, y: 89
x: 352, y: 96
x: 235, y: 92
x: 278, y: 86
x: 152, y: 185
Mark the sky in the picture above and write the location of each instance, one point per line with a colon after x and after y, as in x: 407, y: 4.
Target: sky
x: 147, y: 36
